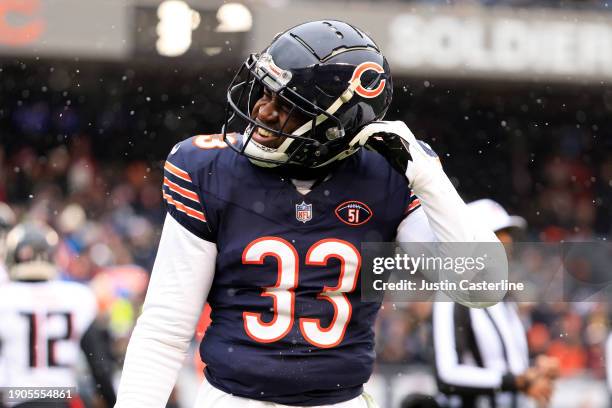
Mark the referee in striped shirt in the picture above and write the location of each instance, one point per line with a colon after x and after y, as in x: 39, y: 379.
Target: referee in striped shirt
x: 481, y: 355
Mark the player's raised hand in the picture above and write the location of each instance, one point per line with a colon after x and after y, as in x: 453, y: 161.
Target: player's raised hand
x: 411, y: 157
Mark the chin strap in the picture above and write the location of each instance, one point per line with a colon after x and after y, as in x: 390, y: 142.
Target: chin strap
x: 358, y: 141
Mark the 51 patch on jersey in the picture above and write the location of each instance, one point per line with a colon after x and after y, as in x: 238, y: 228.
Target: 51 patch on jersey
x: 353, y: 213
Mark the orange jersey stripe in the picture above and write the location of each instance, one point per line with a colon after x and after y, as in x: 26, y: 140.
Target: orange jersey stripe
x: 177, y: 172
x: 413, y: 205
x: 183, y: 208
x: 182, y: 191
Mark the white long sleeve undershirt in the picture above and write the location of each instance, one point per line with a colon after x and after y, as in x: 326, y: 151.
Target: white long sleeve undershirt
x: 181, y: 279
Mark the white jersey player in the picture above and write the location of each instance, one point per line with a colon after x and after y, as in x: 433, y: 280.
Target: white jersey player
x: 44, y: 323
x: 41, y: 325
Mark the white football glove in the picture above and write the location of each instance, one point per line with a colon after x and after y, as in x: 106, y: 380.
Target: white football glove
x: 447, y: 214
x: 411, y: 157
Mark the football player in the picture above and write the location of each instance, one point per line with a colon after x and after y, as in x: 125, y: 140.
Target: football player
x: 267, y: 228
x: 44, y: 322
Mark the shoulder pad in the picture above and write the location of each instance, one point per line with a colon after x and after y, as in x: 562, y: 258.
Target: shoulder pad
x: 186, y: 179
x: 197, y: 151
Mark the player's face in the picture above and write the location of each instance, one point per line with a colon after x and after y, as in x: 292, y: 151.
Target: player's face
x: 271, y: 110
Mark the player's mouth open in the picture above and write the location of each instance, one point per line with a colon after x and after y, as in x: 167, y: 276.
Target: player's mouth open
x: 266, y: 138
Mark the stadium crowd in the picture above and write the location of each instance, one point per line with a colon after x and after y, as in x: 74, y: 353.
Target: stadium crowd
x: 107, y: 206
x: 109, y: 216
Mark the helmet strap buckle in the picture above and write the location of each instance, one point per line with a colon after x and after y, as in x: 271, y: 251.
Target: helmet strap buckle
x: 334, y: 133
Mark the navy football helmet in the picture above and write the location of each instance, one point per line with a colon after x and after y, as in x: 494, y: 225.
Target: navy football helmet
x: 30, y: 250
x: 329, y: 73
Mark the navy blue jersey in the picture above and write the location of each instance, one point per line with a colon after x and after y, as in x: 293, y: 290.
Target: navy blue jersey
x: 288, y: 324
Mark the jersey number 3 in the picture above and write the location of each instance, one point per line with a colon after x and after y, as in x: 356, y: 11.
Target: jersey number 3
x: 283, y: 292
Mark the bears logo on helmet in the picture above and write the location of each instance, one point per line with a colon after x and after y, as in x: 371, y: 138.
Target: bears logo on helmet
x: 369, y: 93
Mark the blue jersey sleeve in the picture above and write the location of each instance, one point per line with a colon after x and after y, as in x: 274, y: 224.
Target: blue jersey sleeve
x: 182, y: 191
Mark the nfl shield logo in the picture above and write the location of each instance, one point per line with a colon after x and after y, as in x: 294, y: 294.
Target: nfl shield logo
x: 303, y: 212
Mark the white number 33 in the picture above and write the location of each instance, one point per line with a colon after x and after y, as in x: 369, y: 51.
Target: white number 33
x: 283, y: 292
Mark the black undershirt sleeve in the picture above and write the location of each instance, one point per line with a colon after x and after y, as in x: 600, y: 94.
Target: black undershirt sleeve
x: 99, y: 357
